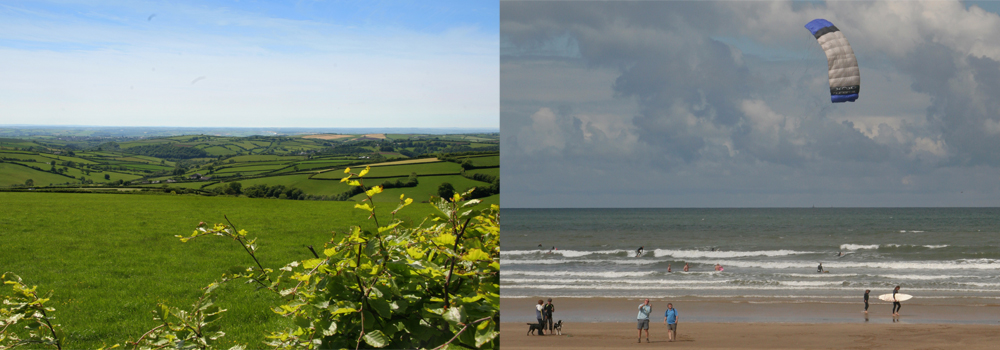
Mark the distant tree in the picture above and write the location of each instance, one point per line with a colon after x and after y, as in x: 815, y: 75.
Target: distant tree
x: 29, y: 182
x: 234, y: 188
x: 446, y: 191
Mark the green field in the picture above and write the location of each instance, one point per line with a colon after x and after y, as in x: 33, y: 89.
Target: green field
x: 13, y: 174
x: 111, y: 258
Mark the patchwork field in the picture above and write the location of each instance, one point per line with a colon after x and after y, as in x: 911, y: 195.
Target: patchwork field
x: 111, y: 258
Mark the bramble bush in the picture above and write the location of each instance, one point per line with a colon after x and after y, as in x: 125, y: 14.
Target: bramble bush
x: 434, y: 285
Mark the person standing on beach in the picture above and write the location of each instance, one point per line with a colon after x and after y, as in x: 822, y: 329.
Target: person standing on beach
x: 547, y: 311
x: 866, y: 299
x: 670, y: 319
x: 895, y: 303
x: 540, y: 317
x: 643, y: 319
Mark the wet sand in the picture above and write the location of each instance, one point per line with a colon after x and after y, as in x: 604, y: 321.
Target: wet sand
x: 761, y: 323
x: 696, y: 335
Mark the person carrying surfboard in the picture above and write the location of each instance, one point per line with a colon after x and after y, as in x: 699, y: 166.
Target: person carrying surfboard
x: 895, y: 302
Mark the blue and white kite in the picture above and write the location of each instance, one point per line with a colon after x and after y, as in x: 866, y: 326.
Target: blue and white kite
x: 845, y: 77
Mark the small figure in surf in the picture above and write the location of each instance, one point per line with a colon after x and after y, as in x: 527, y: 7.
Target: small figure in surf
x: 668, y: 268
x: 685, y: 267
x: 638, y: 252
x: 895, y: 303
x: 820, y: 268
x: 866, y: 299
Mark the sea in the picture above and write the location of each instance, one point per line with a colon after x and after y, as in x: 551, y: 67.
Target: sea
x: 931, y: 253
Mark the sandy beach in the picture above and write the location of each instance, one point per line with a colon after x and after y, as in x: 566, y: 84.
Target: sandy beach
x: 761, y: 323
x: 695, y: 335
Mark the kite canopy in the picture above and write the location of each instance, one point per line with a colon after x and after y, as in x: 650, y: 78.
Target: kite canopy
x: 845, y: 77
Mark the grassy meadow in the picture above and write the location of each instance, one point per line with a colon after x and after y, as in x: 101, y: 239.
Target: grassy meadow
x: 111, y: 258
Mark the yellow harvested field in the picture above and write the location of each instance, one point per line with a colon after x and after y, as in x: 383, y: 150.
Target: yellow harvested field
x: 376, y: 136
x: 326, y: 136
x: 408, y: 161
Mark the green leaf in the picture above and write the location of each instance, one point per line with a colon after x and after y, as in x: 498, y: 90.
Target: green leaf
x: 476, y: 255
x: 446, y: 239
x: 311, y: 263
x: 485, y: 335
x: 377, y: 339
x: 455, y: 315
x: 381, y: 306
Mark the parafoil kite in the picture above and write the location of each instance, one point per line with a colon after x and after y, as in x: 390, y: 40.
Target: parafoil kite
x: 845, y: 77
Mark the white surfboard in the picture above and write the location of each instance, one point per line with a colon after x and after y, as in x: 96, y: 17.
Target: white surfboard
x: 899, y: 297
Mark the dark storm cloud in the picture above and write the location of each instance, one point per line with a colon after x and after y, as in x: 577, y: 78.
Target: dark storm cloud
x: 708, y: 118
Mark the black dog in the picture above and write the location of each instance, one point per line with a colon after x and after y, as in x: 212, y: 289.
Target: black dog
x: 558, y: 327
x: 532, y: 327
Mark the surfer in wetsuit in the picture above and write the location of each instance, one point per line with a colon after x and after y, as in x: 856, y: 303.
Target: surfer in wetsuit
x: 896, y: 306
x: 638, y: 252
x: 866, y: 299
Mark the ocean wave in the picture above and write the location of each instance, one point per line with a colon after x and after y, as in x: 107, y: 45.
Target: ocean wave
x: 687, y: 254
x: 925, y: 277
x: 597, y: 283
x: 963, y: 264
x: 605, y: 274
x: 567, y: 253
x: 858, y: 246
x: 890, y: 245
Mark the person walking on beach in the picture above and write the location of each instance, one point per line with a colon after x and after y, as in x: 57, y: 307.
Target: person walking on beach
x: 866, y: 299
x: 895, y: 303
x: 685, y: 267
x: 638, y: 252
x: 643, y: 319
x: 540, y: 317
x: 547, y: 311
x: 670, y: 319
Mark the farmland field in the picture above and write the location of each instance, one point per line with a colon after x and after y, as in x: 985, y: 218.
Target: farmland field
x: 110, y: 258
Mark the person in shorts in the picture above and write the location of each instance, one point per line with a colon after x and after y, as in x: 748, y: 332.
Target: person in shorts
x: 670, y: 319
x: 643, y: 319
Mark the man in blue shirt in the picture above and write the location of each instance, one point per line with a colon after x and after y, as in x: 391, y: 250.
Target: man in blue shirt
x: 670, y: 318
x: 643, y: 319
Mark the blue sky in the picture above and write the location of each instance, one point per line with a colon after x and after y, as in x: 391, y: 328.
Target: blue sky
x: 727, y: 104
x: 250, y: 63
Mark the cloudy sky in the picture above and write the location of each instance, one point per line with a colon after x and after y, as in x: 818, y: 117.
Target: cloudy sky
x: 250, y: 63
x: 727, y: 104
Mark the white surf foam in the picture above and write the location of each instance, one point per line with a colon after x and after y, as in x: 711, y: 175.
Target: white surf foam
x: 606, y: 274
x: 688, y: 254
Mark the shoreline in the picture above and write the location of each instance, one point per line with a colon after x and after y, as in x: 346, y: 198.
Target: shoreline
x: 711, y: 335
x: 950, y: 311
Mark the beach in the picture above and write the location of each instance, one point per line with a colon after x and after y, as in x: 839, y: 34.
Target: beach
x: 759, y: 323
x: 711, y: 335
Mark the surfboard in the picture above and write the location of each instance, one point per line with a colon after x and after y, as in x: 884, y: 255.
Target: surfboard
x: 899, y: 296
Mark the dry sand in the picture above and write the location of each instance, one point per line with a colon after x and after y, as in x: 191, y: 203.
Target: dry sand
x: 758, y: 336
